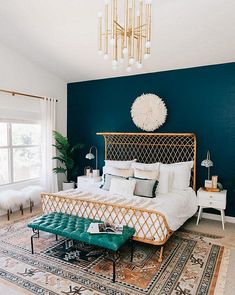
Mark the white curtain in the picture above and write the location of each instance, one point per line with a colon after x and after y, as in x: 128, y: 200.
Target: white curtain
x: 48, y: 119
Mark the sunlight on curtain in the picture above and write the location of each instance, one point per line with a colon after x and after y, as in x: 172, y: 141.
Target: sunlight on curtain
x: 48, y: 119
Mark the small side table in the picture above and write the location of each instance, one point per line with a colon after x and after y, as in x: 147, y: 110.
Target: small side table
x: 84, y: 181
x: 215, y: 200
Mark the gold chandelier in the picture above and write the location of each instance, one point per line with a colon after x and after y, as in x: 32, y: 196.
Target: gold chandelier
x: 126, y: 41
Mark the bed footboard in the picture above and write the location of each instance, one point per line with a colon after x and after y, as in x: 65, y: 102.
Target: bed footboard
x: 151, y: 226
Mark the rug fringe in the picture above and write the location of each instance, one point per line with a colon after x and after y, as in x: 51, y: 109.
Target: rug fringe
x: 221, y: 281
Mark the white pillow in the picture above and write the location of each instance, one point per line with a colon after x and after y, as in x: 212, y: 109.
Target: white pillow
x: 180, y: 174
x: 123, y: 187
x: 144, y: 166
x: 119, y: 164
x: 163, y: 186
x: 188, y: 164
x: 118, y: 172
x: 146, y: 174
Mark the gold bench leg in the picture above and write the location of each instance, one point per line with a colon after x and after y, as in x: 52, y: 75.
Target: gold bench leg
x: 161, y: 255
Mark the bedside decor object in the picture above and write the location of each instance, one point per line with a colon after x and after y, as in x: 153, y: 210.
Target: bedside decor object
x: 66, y: 156
x: 208, y: 183
x: 91, y: 156
x: 214, y: 181
x: 87, y: 170
x: 216, y: 200
x: 148, y: 112
x: 207, y: 163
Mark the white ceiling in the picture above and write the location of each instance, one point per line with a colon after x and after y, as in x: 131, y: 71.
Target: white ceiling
x: 61, y: 35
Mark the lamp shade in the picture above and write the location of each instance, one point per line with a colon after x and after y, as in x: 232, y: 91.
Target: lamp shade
x: 207, y: 162
x: 90, y: 156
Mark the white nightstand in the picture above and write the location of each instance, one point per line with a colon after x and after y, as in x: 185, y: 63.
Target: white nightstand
x: 84, y: 181
x: 215, y: 200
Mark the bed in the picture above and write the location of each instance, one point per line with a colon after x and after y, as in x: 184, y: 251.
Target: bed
x: 156, y: 219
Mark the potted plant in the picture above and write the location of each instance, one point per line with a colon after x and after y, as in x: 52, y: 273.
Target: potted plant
x: 65, y: 155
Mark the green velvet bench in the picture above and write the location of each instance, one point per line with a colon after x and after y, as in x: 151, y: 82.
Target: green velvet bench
x: 75, y: 228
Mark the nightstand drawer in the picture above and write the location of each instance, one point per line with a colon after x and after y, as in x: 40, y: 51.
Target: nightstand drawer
x: 204, y: 202
x: 212, y: 196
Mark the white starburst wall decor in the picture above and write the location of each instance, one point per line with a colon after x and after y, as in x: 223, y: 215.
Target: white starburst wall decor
x: 148, y: 112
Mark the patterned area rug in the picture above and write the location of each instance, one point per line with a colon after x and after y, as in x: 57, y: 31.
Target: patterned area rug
x: 193, y: 264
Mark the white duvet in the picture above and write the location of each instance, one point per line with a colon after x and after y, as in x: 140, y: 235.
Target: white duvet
x: 177, y: 206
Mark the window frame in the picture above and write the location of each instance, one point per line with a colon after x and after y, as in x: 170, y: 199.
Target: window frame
x: 10, y: 147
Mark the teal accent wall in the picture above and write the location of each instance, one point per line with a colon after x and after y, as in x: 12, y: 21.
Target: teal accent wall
x: 199, y: 100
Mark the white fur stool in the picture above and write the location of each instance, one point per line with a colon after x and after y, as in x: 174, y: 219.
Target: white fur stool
x: 13, y: 199
x: 32, y: 195
x: 9, y: 200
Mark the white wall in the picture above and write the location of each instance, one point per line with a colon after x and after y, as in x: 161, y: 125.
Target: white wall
x: 19, y: 74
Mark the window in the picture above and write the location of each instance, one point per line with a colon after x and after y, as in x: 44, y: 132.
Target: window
x: 20, y: 155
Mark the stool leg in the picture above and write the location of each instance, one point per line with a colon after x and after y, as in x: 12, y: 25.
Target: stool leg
x: 32, y: 250
x: 113, y: 256
x: 114, y: 270
x: 35, y: 233
x: 30, y: 206
x: 22, y: 209
x: 132, y: 249
x: 56, y: 237
x: 8, y: 214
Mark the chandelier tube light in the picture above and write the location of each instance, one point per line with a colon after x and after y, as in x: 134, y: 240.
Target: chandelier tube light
x: 125, y: 37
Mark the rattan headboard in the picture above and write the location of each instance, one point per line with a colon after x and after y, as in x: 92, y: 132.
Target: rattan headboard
x: 152, y: 147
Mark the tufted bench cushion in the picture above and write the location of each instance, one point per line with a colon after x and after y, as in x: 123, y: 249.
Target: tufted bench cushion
x: 75, y: 228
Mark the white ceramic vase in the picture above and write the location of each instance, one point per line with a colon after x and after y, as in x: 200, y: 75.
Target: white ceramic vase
x: 68, y: 185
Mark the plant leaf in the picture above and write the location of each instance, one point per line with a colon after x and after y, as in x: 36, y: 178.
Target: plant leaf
x: 65, y: 155
x: 59, y: 170
x: 61, y: 140
x: 59, y: 158
x: 77, y: 146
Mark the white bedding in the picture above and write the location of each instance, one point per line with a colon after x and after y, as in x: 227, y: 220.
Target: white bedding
x: 177, y: 206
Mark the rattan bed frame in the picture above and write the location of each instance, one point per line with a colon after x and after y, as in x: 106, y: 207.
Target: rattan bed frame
x: 151, y: 226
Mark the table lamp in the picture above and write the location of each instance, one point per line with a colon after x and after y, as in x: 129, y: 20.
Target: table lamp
x: 91, y: 156
x: 207, y: 163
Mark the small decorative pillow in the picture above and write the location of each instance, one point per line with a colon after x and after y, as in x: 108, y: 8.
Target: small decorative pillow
x: 146, y: 174
x: 145, y: 187
x: 144, y: 166
x: 123, y: 187
x: 118, y: 171
x: 107, y: 181
x: 119, y: 164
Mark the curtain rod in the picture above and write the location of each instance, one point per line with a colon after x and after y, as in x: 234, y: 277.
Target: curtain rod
x: 13, y: 93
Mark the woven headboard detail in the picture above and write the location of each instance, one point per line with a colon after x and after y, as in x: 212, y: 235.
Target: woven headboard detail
x: 152, y: 147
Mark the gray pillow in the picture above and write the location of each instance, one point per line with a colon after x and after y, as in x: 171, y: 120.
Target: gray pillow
x: 107, y: 181
x: 145, y: 187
